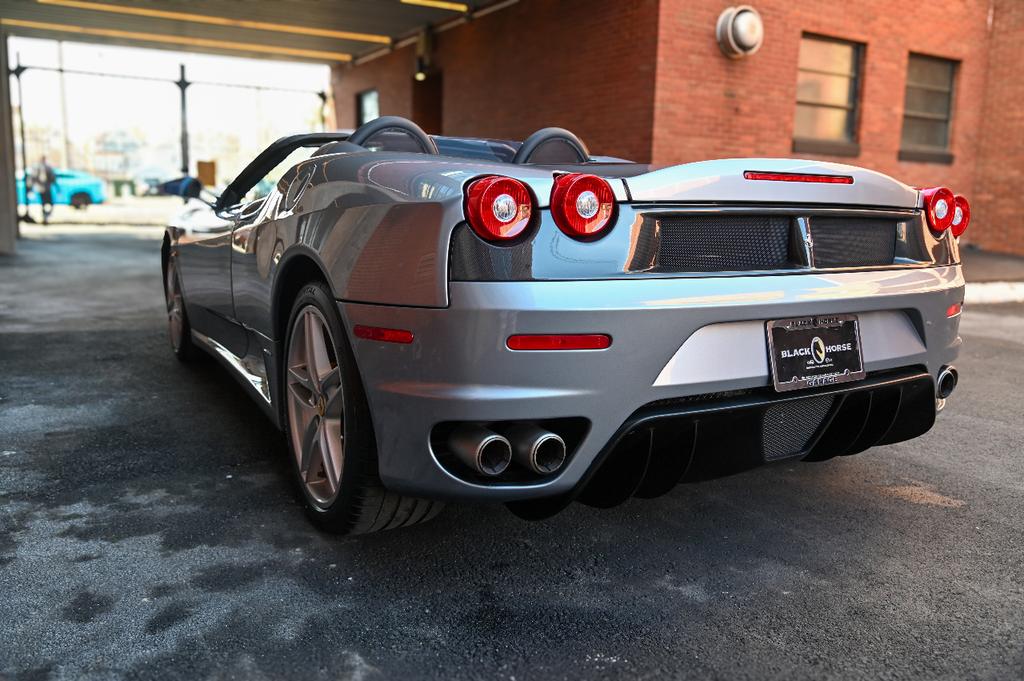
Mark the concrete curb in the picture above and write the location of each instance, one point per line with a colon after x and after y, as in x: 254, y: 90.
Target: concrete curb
x: 990, y: 292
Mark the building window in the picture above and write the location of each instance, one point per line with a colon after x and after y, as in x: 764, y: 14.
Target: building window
x: 927, y: 109
x: 828, y: 81
x: 367, y: 106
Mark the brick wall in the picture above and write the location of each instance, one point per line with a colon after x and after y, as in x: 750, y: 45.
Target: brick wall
x: 645, y: 80
x: 997, y: 223
x: 707, y: 106
x: 583, y: 65
x: 391, y: 75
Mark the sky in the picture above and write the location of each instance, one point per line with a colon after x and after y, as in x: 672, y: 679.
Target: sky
x: 150, y: 111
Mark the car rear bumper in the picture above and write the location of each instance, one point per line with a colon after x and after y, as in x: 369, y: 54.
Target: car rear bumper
x: 672, y: 338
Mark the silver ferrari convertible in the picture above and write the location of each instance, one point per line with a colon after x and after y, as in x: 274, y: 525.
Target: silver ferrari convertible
x: 433, y: 319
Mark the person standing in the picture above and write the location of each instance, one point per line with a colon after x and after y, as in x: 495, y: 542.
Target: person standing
x: 43, y: 181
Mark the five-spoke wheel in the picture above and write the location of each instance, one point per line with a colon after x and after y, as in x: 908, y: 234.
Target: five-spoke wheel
x: 316, y: 405
x: 177, y: 321
x: 329, y: 428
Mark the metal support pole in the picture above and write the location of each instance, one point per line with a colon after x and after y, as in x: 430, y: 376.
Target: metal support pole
x: 8, y: 176
x: 183, y: 84
x: 17, y: 71
x: 63, y: 105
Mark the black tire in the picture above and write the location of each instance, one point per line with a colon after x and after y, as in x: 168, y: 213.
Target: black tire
x: 358, y: 503
x: 181, y: 336
x: 80, y: 201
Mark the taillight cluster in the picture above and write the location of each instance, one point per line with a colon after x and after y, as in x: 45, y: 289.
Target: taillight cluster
x: 582, y: 205
x: 961, y: 216
x: 500, y: 208
x: 946, y: 211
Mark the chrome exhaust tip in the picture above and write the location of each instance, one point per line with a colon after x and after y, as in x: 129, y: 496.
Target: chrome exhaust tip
x: 481, y: 449
x: 946, y: 384
x: 535, y: 448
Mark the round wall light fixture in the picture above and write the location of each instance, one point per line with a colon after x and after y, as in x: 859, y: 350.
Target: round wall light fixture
x: 739, y: 31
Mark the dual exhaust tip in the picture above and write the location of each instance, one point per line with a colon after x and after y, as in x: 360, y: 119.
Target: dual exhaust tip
x: 946, y: 384
x: 490, y: 453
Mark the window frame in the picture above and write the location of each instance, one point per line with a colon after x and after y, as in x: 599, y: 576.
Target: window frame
x: 833, y: 147
x: 925, y: 153
x: 359, y: 104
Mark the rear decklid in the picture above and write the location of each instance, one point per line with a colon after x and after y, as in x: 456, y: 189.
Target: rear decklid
x: 723, y: 181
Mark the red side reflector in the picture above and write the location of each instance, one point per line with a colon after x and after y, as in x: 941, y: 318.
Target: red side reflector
x: 379, y: 333
x: 954, y: 309
x: 797, y: 177
x: 577, y: 341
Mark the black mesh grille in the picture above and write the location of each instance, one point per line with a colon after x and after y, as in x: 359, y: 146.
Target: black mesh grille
x: 471, y: 259
x: 787, y: 427
x: 703, y: 397
x: 722, y: 243
x: 853, y: 242
x: 645, y: 250
x: 675, y: 242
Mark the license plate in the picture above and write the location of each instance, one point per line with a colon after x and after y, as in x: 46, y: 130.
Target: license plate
x: 808, y: 352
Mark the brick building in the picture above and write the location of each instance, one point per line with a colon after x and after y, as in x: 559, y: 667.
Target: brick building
x: 929, y: 95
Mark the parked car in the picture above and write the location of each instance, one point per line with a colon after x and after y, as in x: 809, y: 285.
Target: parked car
x: 148, y: 180
x: 431, y: 318
x: 73, y: 188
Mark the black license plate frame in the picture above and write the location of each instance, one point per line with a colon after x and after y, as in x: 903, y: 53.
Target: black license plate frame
x: 814, y: 351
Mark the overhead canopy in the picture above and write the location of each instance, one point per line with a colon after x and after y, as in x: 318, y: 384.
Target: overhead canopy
x: 308, y: 30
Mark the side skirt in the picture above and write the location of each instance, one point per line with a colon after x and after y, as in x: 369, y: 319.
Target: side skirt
x: 251, y: 371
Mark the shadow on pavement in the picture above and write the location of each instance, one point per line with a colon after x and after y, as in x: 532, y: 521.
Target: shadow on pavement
x: 149, y: 530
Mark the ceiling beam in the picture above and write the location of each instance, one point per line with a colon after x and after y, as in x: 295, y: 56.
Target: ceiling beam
x: 439, y: 4
x: 193, y: 17
x: 181, y: 41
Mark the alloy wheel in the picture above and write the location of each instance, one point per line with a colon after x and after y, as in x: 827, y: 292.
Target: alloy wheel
x: 316, y: 405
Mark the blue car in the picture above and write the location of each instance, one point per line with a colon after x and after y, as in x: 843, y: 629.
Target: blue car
x: 74, y: 188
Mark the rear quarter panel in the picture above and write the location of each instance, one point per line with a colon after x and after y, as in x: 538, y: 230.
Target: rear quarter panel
x: 377, y: 224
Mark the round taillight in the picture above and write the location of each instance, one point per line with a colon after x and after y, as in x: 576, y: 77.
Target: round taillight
x: 498, y: 208
x: 582, y: 205
x: 938, y: 206
x: 961, y: 216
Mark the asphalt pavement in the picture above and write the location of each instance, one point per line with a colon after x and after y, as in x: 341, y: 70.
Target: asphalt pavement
x: 148, y: 530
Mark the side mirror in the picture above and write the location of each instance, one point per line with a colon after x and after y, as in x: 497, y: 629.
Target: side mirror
x: 185, y: 187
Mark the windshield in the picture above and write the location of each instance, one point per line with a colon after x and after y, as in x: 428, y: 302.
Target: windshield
x: 269, y: 181
x: 501, y: 151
